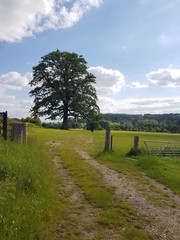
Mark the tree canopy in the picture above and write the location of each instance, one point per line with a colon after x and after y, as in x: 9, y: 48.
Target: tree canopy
x: 62, y: 87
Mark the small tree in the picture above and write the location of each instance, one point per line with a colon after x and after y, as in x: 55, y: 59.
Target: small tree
x: 93, y: 122
x: 63, y: 87
x: 35, y: 120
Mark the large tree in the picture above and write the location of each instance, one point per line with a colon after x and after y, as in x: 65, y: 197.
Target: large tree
x: 62, y: 87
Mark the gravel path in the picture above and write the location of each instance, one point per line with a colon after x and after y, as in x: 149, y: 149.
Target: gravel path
x: 164, y: 220
x: 80, y: 212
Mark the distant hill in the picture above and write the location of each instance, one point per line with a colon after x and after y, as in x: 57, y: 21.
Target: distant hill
x: 147, y: 122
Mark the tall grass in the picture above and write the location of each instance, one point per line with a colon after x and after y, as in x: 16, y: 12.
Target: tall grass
x: 26, y: 187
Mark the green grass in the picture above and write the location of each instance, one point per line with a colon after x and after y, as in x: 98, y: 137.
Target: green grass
x: 114, y: 215
x: 87, y: 178
x: 164, y: 170
x: 30, y: 207
x: 26, y: 190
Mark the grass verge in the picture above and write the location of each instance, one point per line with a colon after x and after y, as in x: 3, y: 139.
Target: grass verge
x: 27, y: 191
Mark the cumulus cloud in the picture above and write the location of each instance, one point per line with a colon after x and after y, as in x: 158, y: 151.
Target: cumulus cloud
x: 14, y: 81
x: 4, y: 97
x: 69, y: 17
x: 16, y: 108
x: 139, y: 106
x: 138, y: 85
x: 167, y: 77
x: 108, y: 81
x: 19, y: 19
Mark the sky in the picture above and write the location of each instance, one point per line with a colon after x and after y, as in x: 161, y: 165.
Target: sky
x: 131, y: 46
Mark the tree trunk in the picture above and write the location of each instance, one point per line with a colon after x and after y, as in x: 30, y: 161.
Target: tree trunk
x: 65, y: 120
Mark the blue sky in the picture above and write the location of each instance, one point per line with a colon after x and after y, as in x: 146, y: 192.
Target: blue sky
x: 131, y: 46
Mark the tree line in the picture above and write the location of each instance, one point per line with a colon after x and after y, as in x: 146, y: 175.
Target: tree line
x: 147, y: 122
x: 126, y: 122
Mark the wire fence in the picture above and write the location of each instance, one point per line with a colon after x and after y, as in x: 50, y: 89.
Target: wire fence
x: 164, y: 149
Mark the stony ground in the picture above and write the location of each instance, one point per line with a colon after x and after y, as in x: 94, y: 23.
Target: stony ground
x: 165, y: 222
x: 151, y: 200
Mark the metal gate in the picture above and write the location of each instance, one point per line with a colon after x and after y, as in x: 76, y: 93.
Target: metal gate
x: 3, y: 125
x: 164, y: 149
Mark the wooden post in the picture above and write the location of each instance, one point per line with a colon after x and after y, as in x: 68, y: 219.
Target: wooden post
x: 107, y: 139
x: 136, y: 143
x: 25, y: 128
x: 5, y: 125
x: 111, y: 142
x: 19, y: 132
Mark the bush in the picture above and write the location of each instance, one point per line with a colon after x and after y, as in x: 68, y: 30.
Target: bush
x: 36, y: 120
x: 134, y: 152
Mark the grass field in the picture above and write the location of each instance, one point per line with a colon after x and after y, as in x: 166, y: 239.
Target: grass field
x: 29, y: 203
x: 165, y: 170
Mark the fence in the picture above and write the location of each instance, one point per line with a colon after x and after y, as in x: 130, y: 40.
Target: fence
x: 19, y: 132
x: 3, y: 125
x: 164, y: 149
x: 15, y: 131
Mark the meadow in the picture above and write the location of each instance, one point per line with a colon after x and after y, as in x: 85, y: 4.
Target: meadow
x: 164, y: 170
x: 30, y: 207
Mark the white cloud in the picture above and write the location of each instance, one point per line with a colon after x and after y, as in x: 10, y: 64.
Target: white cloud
x: 69, y: 17
x: 14, y: 81
x: 167, y: 77
x: 23, y: 107
x: 108, y: 81
x: 138, y: 85
x: 16, y: 108
x: 13, y: 103
x: 139, y: 106
x: 19, y: 19
x: 5, y: 97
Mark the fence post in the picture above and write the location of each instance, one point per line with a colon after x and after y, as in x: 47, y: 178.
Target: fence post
x: 25, y: 128
x: 5, y: 125
x: 111, y: 142
x: 136, y: 143
x: 107, y: 139
x: 19, y: 132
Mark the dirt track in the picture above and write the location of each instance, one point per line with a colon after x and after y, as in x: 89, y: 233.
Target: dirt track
x: 165, y: 220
